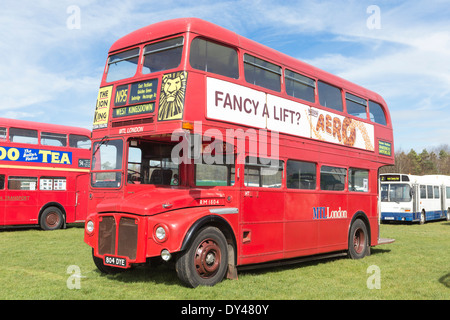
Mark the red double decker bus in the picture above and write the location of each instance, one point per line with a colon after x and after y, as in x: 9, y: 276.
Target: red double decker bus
x: 214, y: 152
x: 44, y: 174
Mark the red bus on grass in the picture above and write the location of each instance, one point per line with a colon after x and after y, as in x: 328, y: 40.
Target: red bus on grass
x: 44, y: 174
x: 215, y: 152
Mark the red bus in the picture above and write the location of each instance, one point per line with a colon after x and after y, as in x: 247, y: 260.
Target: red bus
x: 214, y: 152
x: 44, y: 174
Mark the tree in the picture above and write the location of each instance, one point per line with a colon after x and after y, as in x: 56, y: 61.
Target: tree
x: 437, y: 161
x: 414, y: 163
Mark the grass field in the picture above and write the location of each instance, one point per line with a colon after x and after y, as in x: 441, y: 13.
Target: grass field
x: 34, y: 265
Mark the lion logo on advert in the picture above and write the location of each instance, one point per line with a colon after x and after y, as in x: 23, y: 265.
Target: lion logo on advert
x: 171, y: 101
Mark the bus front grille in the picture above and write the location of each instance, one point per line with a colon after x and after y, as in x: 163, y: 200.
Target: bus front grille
x: 127, y: 244
x: 107, y: 235
x: 124, y: 239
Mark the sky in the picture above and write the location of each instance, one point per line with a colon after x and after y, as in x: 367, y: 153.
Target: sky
x: 53, y: 52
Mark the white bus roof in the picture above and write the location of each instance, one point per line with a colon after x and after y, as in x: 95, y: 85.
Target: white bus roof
x: 435, y: 179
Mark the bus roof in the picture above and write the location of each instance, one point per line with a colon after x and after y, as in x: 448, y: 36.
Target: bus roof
x: 198, y: 26
x: 44, y: 126
x: 425, y: 179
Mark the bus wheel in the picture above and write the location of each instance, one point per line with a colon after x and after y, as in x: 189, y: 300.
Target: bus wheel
x: 51, y: 219
x: 358, y: 242
x: 447, y: 217
x: 422, y: 219
x: 205, y: 262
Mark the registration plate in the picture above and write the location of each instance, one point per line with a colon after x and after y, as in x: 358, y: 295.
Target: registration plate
x: 115, y: 261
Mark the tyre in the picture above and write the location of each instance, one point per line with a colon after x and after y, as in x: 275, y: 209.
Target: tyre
x: 358, y: 240
x: 51, y: 219
x: 422, y: 218
x: 205, y: 262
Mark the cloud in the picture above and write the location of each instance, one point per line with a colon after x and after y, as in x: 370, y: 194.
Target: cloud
x: 406, y: 61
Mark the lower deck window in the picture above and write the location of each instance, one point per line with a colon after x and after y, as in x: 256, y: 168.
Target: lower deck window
x: 358, y: 180
x: 214, y: 174
x: 22, y: 183
x: 301, y: 175
x: 52, y: 183
x: 261, y: 172
x: 332, y: 178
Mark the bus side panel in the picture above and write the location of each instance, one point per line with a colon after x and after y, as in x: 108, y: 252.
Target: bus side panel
x: 47, y: 197
x: 21, y: 207
x: 262, y: 225
x: 301, y: 230
x: 332, y: 215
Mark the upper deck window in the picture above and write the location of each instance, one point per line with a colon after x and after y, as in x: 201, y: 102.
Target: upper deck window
x: 53, y: 139
x: 23, y: 135
x: 299, y: 86
x: 163, y: 55
x: 122, y: 65
x: 2, y: 133
x: 262, y: 73
x: 78, y: 141
x: 330, y: 96
x: 376, y: 113
x: 356, y: 106
x: 215, y: 58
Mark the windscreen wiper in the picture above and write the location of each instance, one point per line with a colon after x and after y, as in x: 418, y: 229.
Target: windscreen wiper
x: 104, y: 141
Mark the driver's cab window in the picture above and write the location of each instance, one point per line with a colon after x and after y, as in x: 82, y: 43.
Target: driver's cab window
x: 134, y: 165
x: 151, y: 163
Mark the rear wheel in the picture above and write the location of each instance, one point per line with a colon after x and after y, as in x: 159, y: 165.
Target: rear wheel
x: 358, y: 242
x: 205, y: 262
x: 51, y: 219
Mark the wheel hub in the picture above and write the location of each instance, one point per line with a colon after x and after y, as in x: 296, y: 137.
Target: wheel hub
x: 359, y: 241
x: 207, y: 258
x: 52, y: 219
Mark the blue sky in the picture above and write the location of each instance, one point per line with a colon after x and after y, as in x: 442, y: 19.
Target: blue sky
x: 50, y: 71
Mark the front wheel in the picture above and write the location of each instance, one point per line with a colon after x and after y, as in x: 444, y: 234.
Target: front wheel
x: 358, y: 240
x: 205, y: 262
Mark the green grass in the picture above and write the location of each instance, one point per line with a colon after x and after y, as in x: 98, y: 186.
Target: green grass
x: 417, y: 266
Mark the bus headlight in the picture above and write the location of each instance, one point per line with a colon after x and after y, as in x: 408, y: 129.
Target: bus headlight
x: 161, y: 233
x: 90, y: 226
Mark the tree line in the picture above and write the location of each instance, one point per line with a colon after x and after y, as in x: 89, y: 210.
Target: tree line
x: 435, y: 161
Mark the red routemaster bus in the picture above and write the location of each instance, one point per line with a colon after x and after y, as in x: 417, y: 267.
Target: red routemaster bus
x: 214, y: 152
x: 44, y: 173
